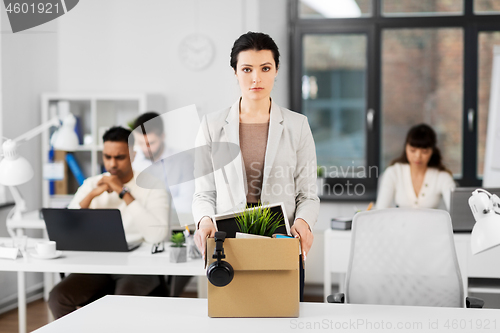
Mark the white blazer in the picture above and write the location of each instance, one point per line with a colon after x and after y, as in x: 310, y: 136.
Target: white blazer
x: 289, y: 168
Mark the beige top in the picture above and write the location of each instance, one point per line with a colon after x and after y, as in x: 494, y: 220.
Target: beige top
x: 253, y: 142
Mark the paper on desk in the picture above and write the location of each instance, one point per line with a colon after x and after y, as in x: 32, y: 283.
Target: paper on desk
x: 8, y: 253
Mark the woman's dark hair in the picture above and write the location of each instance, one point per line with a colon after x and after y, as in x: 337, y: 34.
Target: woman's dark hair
x: 257, y: 41
x: 118, y: 134
x: 423, y: 136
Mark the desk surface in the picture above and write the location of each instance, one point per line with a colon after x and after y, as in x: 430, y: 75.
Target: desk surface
x: 139, y: 261
x: 155, y: 314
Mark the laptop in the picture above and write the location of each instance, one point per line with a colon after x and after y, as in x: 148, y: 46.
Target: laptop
x: 461, y: 215
x: 87, y: 230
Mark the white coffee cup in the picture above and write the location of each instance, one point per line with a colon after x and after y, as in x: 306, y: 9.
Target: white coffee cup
x: 46, y: 249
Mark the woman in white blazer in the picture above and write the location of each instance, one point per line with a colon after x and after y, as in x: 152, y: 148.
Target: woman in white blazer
x: 276, y: 161
x: 418, y: 178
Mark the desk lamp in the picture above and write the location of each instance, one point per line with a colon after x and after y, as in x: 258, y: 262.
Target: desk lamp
x: 486, y: 210
x: 16, y: 170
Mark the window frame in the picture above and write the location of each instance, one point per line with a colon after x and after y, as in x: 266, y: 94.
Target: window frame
x: 471, y: 24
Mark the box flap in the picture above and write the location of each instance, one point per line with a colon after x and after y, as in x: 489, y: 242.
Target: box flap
x: 259, y: 254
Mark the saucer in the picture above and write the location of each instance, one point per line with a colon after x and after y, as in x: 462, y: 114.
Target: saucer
x: 39, y: 256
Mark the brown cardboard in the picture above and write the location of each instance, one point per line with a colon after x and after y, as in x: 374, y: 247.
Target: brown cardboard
x: 266, y: 278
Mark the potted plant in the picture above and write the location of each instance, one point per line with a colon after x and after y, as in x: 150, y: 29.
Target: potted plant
x: 178, y: 251
x: 320, y: 180
x: 258, y: 222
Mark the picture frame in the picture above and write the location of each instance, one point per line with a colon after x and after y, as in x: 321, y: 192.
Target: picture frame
x: 227, y: 221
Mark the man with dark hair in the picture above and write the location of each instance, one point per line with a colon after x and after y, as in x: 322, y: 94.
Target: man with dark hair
x: 150, y: 137
x: 144, y: 212
x: 155, y: 138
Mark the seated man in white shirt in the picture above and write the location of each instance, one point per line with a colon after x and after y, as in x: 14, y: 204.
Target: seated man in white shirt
x: 149, y: 132
x: 154, y: 148
x: 144, y: 214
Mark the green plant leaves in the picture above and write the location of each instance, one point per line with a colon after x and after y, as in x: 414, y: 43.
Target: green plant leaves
x: 259, y: 221
x: 177, y: 239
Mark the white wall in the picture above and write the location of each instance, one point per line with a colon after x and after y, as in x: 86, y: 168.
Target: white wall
x: 28, y: 68
x: 122, y: 46
x: 114, y: 46
x: 273, y: 20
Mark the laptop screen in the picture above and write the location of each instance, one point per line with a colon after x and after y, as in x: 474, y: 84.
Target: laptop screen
x: 461, y: 215
x: 86, y: 229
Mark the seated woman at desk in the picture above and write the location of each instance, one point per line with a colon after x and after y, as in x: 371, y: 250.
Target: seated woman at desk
x: 418, y: 178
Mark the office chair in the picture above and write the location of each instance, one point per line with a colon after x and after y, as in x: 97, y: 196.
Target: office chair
x: 403, y: 257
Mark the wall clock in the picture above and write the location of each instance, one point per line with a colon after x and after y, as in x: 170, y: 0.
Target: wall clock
x: 196, y: 51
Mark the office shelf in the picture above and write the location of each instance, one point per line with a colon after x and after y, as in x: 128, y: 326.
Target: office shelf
x: 96, y: 112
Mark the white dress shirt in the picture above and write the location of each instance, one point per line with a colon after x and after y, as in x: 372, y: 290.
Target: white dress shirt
x: 396, y: 188
x: 181, y: 189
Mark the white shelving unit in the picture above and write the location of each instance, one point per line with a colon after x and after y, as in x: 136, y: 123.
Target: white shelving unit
x: 96, y: 112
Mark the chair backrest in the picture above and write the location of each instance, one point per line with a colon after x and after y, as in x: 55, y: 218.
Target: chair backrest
x: 404, y: 257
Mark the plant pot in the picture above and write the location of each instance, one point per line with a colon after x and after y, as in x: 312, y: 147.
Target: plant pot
x: 320, y: 183
x: 178, y: 254
x: 244, y: 235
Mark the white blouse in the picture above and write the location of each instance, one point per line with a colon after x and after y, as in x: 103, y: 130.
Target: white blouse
x: 396, y: 188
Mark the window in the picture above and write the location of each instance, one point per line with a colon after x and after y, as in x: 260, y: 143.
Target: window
x: 333, y: 96
x: 485, y: 53
x: 317, y: 9
x: 422, y: 7
x: 422, y: 80
x: 364, y: 79
x: 486, y: 7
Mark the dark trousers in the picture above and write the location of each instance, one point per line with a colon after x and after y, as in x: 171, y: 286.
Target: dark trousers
x: 78, y: 290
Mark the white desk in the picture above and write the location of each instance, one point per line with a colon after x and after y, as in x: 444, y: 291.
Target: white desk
x: 140, y: 261
x: 29, y: 220
x: 338, y: 249
x: 153, y: 314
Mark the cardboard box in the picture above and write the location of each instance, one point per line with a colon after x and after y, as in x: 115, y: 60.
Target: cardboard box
x: 266, y: 278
